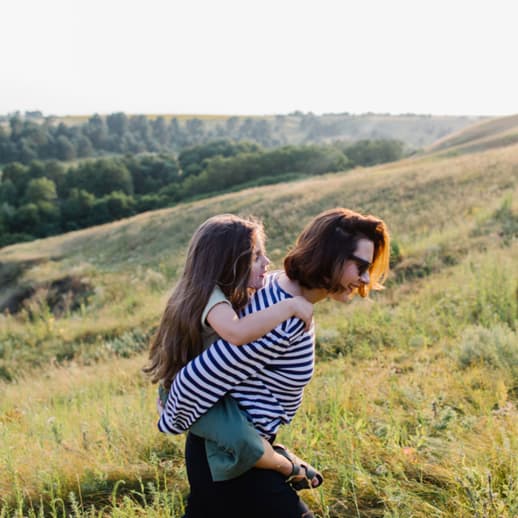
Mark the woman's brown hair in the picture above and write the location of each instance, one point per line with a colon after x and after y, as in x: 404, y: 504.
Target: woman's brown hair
x: 330, y: 239
x: 219, y: 253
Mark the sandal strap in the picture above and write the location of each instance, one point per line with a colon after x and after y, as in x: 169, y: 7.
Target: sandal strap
x: 309, y: 471
x: 295, y: 473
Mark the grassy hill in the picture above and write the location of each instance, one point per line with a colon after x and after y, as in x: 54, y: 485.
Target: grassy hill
x: 484, y: 135
x: 412, y: 410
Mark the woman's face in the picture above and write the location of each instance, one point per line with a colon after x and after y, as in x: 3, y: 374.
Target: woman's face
x: 355, y: 271
x: 259, y: 265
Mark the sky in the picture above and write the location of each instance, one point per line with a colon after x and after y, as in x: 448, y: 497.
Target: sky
x: 441, y: 57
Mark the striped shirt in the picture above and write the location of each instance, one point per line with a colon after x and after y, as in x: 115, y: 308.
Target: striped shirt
x: 266, y: 377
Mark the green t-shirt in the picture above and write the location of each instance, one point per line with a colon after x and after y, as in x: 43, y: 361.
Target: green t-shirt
x: 232, y: 443
x: 209, y: 336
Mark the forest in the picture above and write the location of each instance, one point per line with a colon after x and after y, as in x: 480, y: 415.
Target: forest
x: 32, y: 135
x: 139, y: 166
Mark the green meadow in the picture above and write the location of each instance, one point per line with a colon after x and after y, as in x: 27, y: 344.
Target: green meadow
x: 412, y: 411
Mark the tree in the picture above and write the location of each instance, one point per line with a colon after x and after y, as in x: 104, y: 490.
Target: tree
x: 192, y: 160
x: 8, y: 149
x: 40, y: 190
x: 18, y: 174
x: 64, y: 149
x: 25, y: 218
x: 49, y: 218
x: 84, y: 147
x: 150, y: 172
x: 56, y: 171
x: 101, y: 177
x: 16, y: 127
x: 120, y: 205
x: 7, y: 192
x: 26, y: 151
x: 3, y: 224
x: 117, y: 124
x: 159, y: 130
x: 195, y: 130
x: 176, y: 134
x: 115, y: 205
x: 97, y: 131
x: 231, y: 125
x: 37, y: 169
x: 246, y: 129
x: 261, y: 132
x: 76, y: 210
x: 371, y: 152
x: 139, y: 125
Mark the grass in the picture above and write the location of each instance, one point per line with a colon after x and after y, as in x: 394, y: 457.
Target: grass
x: 482, y: 132
x: 412, y: 410
x: 398, y: 421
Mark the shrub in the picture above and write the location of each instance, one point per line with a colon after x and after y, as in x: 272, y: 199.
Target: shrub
x: 494, y: 347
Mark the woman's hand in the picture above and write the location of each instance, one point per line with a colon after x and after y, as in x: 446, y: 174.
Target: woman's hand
x: 303, y: 309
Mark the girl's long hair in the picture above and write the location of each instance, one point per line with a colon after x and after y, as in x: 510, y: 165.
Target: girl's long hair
x: 219, y: 253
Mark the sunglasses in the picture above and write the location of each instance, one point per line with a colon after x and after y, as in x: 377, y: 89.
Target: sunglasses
x: 361, y: 264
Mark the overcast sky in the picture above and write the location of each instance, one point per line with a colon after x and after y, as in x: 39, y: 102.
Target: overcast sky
x: 259, y: 56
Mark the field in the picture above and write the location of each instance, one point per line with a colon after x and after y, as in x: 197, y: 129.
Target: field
x: 412, y: 411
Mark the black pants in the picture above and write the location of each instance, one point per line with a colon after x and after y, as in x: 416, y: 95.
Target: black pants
x: 259, y: 493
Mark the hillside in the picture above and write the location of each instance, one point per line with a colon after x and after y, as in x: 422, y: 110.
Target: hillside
x: 412, y: 410
x: 493, y: 133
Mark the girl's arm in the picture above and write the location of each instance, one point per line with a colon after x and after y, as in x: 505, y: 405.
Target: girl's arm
x: 239, y: 331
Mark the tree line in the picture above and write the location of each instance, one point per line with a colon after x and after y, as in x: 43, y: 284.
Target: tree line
x: 44, y: 198
x: 24, y: 139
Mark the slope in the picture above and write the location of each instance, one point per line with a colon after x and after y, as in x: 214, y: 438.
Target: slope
x: 498, y: 132
x: 412, y: 411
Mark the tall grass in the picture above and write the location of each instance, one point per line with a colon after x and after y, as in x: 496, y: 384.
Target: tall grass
x: 400, y: 424
x: 412, y: 410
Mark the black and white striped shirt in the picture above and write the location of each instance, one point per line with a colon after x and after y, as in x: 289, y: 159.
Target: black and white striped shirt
x: 266, y: 377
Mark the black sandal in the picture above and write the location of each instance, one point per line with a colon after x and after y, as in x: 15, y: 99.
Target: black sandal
x: 309, y: 473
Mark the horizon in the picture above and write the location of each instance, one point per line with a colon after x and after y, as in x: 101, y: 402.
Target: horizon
x: 24, y: 113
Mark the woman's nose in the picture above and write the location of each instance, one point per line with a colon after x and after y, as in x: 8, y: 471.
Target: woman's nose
x: 266, y: 261
x: 365, y: 277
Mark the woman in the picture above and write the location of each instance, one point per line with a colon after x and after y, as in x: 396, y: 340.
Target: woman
x: 338, y: 254
x: 226, y: 262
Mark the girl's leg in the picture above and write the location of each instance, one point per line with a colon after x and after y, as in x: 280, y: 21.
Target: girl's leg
x: 289, y: 465
x: 274, y: 461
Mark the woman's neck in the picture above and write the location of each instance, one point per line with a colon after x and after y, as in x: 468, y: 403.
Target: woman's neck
x: 313, y: 295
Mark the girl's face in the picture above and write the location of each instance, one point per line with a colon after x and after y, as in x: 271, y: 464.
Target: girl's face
x: 355, y: 271
x: 259, y: 265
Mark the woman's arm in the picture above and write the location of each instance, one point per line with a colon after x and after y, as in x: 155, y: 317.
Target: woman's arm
x: 209, y: 376
x: 239, y: 331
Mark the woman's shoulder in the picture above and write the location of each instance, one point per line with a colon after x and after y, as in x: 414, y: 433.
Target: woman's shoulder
x: 272, y: 277
x: 272, y: 291
x: 272, y: 280
x: 276, y: 280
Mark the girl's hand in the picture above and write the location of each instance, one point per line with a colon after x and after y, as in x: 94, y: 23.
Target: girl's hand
x: 304, y: 310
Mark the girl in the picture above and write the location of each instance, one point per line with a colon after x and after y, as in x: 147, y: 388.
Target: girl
x: 225, y: 263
